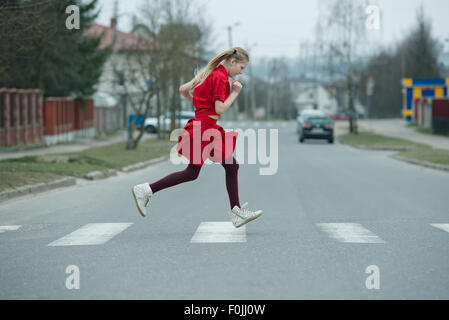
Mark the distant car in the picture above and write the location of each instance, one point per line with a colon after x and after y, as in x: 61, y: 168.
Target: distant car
x: 151, y: 124
x: 300, y: 120
x: 317, y: 127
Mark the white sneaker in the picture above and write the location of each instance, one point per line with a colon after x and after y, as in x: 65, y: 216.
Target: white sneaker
x: 142, y: 195
x: 241, y: 216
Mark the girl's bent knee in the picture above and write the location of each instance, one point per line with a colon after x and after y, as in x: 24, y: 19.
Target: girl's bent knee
x: 192, y: 172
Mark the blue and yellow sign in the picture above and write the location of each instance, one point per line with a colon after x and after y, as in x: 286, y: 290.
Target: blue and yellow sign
x: 422, y: 88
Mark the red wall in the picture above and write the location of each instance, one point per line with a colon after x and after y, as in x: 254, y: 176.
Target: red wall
x: 21, y: 120
x: 63, y: 115
x: 440, y: 108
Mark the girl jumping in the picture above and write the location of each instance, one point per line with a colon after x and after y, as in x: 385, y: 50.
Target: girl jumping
x: 211, y: 98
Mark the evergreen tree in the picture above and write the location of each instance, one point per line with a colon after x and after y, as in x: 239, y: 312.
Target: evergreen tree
x: 38, y: 51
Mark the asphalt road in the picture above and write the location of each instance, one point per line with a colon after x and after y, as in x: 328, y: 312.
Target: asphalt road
x: 331, y: 213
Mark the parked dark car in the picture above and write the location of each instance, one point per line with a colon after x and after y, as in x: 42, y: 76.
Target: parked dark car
x: 300, y: 120
x: 317, y: 127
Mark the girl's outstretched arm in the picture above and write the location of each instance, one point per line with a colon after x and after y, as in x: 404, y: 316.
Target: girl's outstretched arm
x: 185, y: 90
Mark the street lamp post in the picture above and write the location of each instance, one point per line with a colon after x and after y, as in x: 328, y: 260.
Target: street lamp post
x: 230, y: 28
x: 251, y: 83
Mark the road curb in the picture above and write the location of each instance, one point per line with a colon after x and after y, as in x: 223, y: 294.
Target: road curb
x: 37, y: 188
x: 142, y: 165
x: 70, y: 181
x: 97, y: 175
x: 384, y: 148
x: 422, y: 163
x: 394, y: 156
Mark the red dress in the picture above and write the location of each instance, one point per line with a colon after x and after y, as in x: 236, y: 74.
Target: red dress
x: 201, y: 138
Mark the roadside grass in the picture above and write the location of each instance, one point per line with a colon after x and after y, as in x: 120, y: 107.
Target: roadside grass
x: 431, y: 132
x: 371, y: 139
x: 35, y: 169
x: 428, y: 154
x: 426, y: 130
x: 415, y: 151
x: 102, y: 137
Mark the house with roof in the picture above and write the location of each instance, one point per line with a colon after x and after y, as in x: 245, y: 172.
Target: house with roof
x: 311, y: 95
x: 119, y: 72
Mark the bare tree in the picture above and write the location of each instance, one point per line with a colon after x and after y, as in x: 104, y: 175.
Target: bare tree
x: 344, y: 23
x: 172, y: 43
x: 181, y: 32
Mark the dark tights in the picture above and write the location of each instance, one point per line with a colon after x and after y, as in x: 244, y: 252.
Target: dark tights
x: 191, y: 173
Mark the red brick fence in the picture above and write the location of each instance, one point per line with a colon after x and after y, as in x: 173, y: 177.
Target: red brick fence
x: 66, y: 119
x: 21, y: 119
x: 26, y: 119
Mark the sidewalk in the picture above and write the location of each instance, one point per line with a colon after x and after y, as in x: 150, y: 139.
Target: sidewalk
x: 81, y: 145
x: 396, y: 128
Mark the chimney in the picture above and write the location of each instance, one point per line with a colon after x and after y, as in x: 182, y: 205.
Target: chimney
x: 113, y: 23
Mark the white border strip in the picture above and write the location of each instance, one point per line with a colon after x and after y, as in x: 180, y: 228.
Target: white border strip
x: 350, y: 233
x: 8, y: 228
x: 218, y: 232
x: 91, y: 234
x: 441, y: 226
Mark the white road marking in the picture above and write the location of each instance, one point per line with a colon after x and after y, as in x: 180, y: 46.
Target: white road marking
x: 350, y: 232
x: 91, y: 234
x: 215, y: 232
x: 8, y: 228
x: 441, y: 226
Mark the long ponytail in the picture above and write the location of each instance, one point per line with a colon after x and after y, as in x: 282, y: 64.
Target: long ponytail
x: 237, y: 53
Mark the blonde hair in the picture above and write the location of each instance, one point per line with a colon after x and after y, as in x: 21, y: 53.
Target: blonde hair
x: 240, y: 55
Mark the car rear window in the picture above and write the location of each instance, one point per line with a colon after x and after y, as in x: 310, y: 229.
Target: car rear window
x: 318, y: 120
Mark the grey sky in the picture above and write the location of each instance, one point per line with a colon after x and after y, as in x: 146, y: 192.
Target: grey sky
x: 278, y: 26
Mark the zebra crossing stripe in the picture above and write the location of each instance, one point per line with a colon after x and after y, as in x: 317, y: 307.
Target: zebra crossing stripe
x: 91, y: 234
x: 8, y: 228
x: 350, y: 233
x: 441, y: 226
x: 218, y: 232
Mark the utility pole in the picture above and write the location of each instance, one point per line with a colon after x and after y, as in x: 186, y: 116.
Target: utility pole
x: 230, y: 36
x: 271, y: 81
x: 250, y: 109
x: 252, y: 92
x: 121, y: 95
x: 236, y: 102
x: 230, y: 27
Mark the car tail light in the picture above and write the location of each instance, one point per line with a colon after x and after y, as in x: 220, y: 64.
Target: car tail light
x: 307, y: 126
x: 328, y: 126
